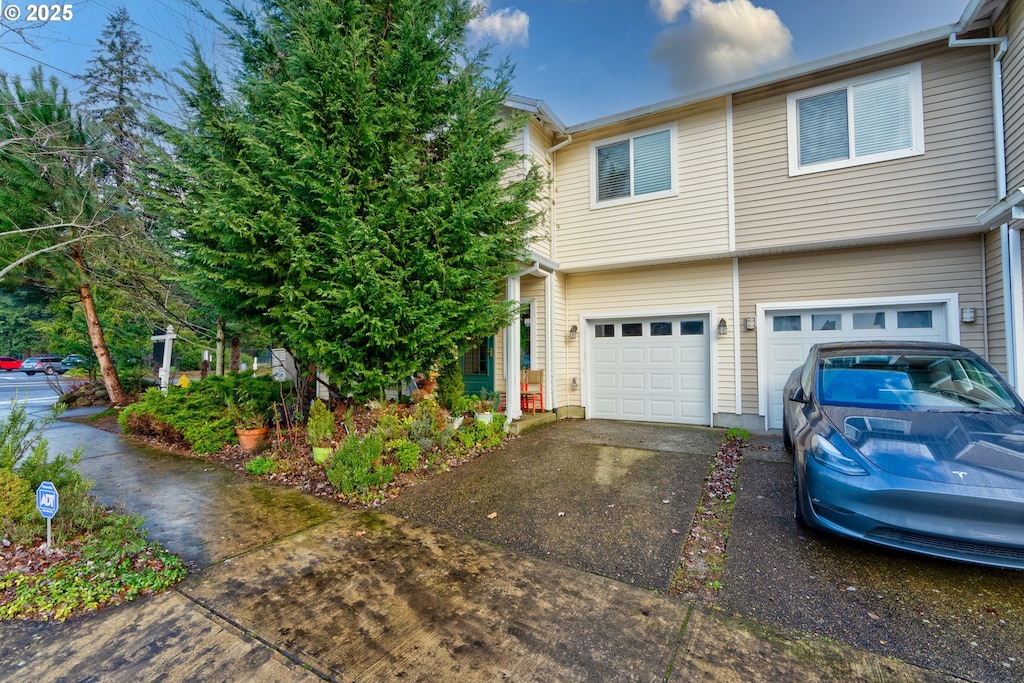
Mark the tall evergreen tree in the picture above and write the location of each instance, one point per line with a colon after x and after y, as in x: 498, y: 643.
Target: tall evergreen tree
x: 352, y: 190
x: 117, y: 93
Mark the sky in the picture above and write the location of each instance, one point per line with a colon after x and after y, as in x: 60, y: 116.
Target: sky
x: 586, y: 58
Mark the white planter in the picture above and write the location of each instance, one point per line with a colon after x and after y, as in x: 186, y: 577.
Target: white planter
x: 484, y: 417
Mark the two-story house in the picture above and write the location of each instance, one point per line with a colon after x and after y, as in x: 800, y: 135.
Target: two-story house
x: 693, y: 250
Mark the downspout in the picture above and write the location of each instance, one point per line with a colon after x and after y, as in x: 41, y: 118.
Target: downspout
x: 1009, y: 239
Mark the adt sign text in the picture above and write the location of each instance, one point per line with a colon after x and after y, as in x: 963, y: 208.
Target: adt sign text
x: 47, y: 500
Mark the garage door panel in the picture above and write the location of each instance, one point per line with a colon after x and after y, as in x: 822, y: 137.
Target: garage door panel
x: 661, y: 378
x: 663, y: 382
x: 662, y: 355
x: 664, y: 411
x: 632, y: 382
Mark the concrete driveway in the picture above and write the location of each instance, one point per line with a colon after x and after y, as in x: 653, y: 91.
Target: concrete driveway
x: 299, y: 590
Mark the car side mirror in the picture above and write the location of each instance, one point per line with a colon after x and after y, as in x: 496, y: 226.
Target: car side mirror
x: 798, y: 396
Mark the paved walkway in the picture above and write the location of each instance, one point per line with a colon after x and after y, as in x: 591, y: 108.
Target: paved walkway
x: 288, y: 587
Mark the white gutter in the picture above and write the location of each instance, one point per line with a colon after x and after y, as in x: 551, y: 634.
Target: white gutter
x: 1009, y: 240
x: 560, y: 145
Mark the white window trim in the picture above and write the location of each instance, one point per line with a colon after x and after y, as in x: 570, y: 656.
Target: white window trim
x: 586, y: 319
x: 672, y: 128
x: 950, y: 302
x: 916, y: 117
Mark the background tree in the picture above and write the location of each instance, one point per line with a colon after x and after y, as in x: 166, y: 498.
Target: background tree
x: 116, y: 92
x: 52, y: 212
x: 348, y: 189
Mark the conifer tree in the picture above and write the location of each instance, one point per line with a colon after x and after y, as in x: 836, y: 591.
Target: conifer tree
x: 351, y: 189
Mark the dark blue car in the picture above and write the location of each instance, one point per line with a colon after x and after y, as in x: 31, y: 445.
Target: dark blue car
x: 916, y: 446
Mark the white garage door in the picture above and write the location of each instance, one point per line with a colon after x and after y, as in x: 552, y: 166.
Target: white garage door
x: 651, y: 369
x: 791, y: 334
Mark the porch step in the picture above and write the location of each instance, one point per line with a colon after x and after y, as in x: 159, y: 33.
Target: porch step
x: 530, y: 421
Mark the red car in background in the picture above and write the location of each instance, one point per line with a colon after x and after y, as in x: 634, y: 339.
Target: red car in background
x: 7, y: 363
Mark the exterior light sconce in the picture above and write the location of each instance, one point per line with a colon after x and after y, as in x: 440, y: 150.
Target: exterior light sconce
x: 750, y: 323
x: 967, y: 315
x: 573, y: 331
x: 722, y: 328
x: 575, y: 384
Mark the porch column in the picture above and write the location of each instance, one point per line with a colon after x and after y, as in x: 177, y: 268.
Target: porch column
x: 512, y: 353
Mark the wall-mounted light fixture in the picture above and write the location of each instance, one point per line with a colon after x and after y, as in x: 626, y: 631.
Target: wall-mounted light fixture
x: 750, y: 323
x: 574, y: 384
x: 573, y: 331
x: 722, y: 328
x: 967, y: 315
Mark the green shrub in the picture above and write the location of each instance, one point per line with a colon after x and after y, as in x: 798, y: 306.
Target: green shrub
x: 429, y: 428
x: 391, y: 426
x: 450, y: 385
x: 200, y: 414
x: 319, y: 425
x: 260, y: 466
x: 406, y: 452
x: 357, y: 464
x: 17, y: 502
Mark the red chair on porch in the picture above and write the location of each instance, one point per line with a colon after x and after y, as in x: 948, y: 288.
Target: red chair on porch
x: 531, y: 390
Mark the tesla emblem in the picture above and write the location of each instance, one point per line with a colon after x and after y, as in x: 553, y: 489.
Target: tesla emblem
x: 960, y: 474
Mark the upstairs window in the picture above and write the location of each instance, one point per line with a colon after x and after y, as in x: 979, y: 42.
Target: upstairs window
x: 633, y: 167
x: 873, y: 118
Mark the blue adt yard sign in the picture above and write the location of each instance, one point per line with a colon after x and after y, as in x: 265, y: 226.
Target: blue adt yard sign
x: 47, y: 501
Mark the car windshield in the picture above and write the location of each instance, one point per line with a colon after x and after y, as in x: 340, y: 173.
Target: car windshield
x: 924, y: 381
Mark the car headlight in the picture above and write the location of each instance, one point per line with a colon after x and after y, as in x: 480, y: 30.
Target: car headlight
x: 830, y: 455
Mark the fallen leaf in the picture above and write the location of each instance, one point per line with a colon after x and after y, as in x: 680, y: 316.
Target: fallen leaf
x: 492, y: 515
x: 874, y: 616
x: 360, y: 533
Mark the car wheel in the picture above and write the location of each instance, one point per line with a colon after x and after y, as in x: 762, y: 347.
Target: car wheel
x: 29, y: 373
x: 798, y: 510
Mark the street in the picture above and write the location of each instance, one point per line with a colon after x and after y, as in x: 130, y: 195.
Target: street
x: 35, y: 391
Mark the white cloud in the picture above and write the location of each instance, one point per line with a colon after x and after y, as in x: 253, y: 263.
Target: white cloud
x: 668, y: 10
x: 723, y: 42
x: 505, y: 27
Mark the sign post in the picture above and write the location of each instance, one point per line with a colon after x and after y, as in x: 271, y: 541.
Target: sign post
x: 47, y: 502
x: 165, y: 368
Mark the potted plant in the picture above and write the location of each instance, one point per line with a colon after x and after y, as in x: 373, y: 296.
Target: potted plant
x: 485, y: 405
x: 320, y: 431
x: 250, y: 424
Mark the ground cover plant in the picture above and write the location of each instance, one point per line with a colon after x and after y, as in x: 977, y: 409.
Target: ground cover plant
x: 376, y: 448
x: 98, y: 556
x: 204, y: 414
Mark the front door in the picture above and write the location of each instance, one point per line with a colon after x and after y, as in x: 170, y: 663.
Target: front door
x: 478, y: 367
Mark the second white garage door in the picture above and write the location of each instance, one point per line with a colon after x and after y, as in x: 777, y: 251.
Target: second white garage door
x: 651, y: 369
x: 792, y: 333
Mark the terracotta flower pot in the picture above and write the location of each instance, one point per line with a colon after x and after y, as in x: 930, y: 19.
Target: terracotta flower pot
x: 251, y: 439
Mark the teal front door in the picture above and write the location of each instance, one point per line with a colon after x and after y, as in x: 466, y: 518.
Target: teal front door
x: 478, y: 367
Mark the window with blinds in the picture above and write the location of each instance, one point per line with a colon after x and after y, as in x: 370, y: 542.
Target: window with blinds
x: 864, y: 120
x: 634, y: 167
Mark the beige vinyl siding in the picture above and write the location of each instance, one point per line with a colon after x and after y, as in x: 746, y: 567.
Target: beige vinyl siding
x: 664, y: 230
x: 943, y: 189
x: 994, y: 312
x: 1011, y: 24
x: 536, y: 151
x: 680, y: 288
x: 559, y: 374
x: 532, y: 287
x: 906, y: 270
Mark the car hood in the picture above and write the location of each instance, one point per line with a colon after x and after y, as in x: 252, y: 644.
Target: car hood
x: 972, y: 449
